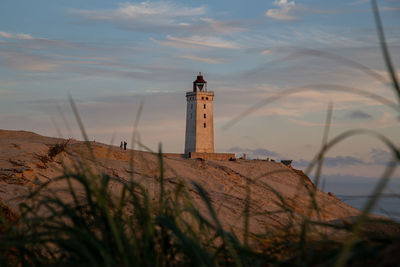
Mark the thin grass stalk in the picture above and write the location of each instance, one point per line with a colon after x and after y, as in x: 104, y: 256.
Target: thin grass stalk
x: 133, y: 139
x: 341, y: 137
x: 328, y: 121
x: 109, y: 149
x: 81, y: 126
x: 356, y: 228
x: 64, y: 119
x: 313, y: 191
x: 227, y: 239
x: 312, y: 87
x: 385, y: 50
x: 246, y: 213
x: 345, y: 61
x: 162, y: 189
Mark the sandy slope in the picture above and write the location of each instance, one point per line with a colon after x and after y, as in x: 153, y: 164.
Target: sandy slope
x: 23, y: 166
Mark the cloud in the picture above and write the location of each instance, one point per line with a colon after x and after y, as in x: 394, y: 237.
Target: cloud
x: 307, y: 123
x: 380, y: 156
x: 224, y: 27
x: 28, y: 62
x: 203, y: 59
x: 198, y: 41
x: 17, y: 36
x: 343, y: 161
x: 283, y: 12
x: 151, y: 13
x: 301, y: 163
x: 170, y: 74
x: 381, y: 9
x: 254, y: 153
x: 295, y: 106
x: 27, y: 55
x: 6, y: 35
x: 338, y: 161
x: 377, y: 157
x: 5, y: 92
x: 25, y: 40
x: 161, y: 16
x: 386, y: 120
x: 358, y: 2
x: 389, y: 9
x: 266, y: 52
x: 359, y: 114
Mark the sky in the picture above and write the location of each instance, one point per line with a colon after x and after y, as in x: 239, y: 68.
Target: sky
x: 110, y: 56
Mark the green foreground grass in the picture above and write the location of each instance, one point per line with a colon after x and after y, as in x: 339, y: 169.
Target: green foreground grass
x: 98, y: 228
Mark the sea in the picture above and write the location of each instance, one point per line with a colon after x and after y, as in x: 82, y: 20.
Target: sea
x: 357, y: 191
x: 387, y: 205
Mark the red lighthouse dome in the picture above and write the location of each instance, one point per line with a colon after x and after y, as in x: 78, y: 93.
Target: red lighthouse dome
x: 199, y: 84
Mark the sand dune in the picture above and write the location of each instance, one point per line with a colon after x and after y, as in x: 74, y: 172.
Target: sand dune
x: 25, y: 164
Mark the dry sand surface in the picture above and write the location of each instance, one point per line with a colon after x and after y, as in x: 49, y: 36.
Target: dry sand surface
x: 24, y: 166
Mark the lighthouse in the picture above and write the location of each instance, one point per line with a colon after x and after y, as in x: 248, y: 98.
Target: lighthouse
x: 199, y: 118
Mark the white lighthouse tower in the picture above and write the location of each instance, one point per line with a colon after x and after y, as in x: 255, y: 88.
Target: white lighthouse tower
x: 199, y: 118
